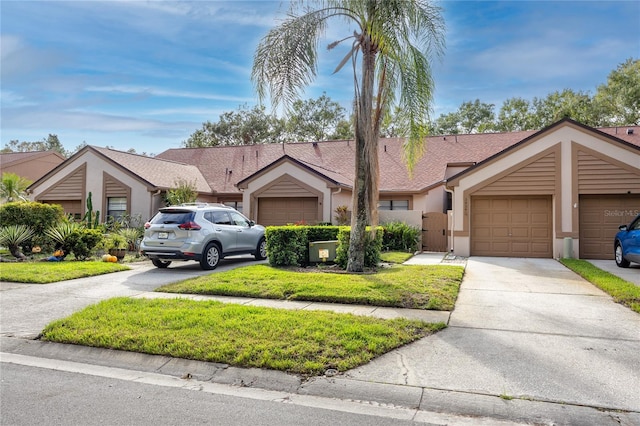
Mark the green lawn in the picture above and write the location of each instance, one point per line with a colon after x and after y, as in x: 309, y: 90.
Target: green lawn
x: 622, y: 291
x: 395, y: 256
x: 49, y: 272
x: 302, y: 342
x: 420, y: 287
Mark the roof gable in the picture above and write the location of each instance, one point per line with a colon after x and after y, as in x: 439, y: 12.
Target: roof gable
x: 153, y: 172
x: 607, y: 134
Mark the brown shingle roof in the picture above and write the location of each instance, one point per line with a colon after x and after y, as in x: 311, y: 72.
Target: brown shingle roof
x: 157, y: 172
x: 336, y: 159
x: 10, y: 158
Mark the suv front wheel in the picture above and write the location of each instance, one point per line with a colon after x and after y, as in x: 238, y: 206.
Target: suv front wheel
x: 261, y: 250
x: 210, y: 257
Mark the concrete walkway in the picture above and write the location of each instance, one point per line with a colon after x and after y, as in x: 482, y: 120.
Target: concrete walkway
x: 529, y: 341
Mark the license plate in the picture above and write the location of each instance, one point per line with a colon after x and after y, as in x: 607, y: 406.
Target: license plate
x: 163, y: 235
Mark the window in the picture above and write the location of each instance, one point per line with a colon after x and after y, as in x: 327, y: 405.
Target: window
x: 238, y: 219
x: 218, y: 217
x: 393, y: 205
x: 116, y: 207
x: 235, y: 204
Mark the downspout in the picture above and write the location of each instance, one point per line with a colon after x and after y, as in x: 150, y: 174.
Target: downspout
x: 452, y: 216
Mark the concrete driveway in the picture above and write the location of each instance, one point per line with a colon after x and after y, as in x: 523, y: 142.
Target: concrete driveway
x: 528, y: 329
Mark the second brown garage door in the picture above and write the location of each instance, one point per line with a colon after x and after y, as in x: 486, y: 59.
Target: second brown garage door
x: 283, y: 211
x: 600, y: 217
x: 511, y: 226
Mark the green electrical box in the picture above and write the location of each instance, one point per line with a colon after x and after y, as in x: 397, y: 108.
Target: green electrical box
x: 322, y: 251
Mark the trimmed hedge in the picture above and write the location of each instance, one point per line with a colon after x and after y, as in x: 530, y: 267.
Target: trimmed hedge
x: 289, y: 245
x: 372, y: 247
x: 286, y: 245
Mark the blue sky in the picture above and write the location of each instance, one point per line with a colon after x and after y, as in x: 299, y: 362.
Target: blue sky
x: 147, y: 74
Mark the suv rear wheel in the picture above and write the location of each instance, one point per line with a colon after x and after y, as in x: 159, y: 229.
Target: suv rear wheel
x: 210, y: 257
x: 158, y: 263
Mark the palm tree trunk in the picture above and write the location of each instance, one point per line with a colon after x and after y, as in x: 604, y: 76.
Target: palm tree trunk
x: 365, y: 189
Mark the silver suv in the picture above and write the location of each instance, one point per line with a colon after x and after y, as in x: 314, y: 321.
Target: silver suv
x: 202, y: 232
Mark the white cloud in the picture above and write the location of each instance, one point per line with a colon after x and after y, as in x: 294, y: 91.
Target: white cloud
x: 159, y: 92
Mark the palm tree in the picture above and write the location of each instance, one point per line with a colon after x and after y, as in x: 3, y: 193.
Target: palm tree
x: 393, y: 42
x: 13, y: 187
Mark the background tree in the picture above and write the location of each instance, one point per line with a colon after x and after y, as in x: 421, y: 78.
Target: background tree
x: 619, y: 98
x: 13, y: 187
x: 447, y: 124
x: 392, y: 43
x: 50, y: 143
x: 315, y: 120
x: 558, y: 105
x: 476, y: 117
x: 515, y: 115
x: 244, y: 126
x: 183, y: 192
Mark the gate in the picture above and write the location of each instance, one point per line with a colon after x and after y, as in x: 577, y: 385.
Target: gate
x: 434, y: 232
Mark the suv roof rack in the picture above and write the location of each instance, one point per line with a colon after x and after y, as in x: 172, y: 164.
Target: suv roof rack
x: 205, y: 205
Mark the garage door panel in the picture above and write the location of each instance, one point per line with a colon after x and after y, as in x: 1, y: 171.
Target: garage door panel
x: 499, y: 232
x: 520, y: 218
x: 599, y: 219
x: 518, y: 226
x: 519, y: 232
x: 282, y: 211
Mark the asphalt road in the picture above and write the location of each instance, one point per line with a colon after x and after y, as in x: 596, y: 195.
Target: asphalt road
x: 32, y: 395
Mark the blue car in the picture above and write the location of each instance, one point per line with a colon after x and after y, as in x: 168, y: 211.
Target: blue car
x: 627, y: 244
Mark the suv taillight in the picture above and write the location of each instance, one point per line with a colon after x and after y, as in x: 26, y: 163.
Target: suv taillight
x: 147, y: 225
x: 189, y: 226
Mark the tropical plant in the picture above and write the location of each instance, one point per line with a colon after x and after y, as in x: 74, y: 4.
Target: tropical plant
x: 13, y: 187
x: 117, y: 241
x: 13, y: 236
x: 182, y: 192
x: 62, y: 235
x: 91, y: 220
x: 132, y: 236
x: 393, y: 41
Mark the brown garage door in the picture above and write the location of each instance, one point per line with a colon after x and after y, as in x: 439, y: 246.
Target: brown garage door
x: 511, y: 226
x: 282, y: 211
x: 600, y: 216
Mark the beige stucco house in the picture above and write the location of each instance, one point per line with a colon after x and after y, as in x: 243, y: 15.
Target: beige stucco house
x: 119, y: 183
x: 497, y: 194
x: 559, y: 192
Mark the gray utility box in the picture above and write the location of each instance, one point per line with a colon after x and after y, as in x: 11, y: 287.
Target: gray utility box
x: 322, y: 251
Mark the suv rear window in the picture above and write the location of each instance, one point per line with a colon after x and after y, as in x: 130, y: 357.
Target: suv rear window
x: 173, y: 217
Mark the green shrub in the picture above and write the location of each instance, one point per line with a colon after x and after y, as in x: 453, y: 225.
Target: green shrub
x: 398, y: 236
x: 286, y: 245
x: 37, y: 216
x: 74, y: 238
x: 83, y: 241
x: 371, y: 251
